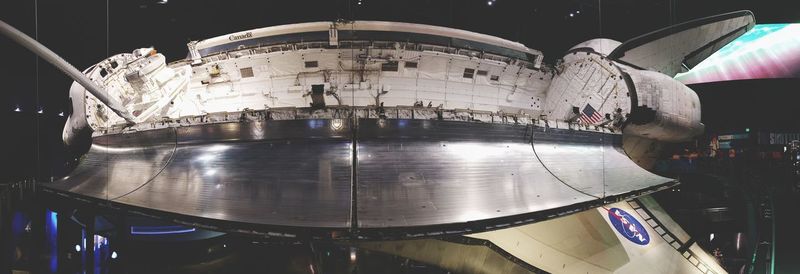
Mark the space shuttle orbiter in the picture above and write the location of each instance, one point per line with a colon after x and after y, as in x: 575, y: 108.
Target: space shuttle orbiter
x: 380, y: 130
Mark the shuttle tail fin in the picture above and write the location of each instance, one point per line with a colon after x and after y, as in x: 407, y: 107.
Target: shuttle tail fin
x: 680, y: 47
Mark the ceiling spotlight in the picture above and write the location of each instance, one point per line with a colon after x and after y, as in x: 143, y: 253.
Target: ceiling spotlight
x: 61, y: 114
x: 577, y: 12
x: 17, y: 109
x: 114, y: 255
x: 40, y: 111
x: 489, y: 3
x: 162, y: 2
x: 571, y: 15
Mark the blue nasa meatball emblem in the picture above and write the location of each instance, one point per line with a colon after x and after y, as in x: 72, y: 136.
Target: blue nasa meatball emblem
x: 628, y: 226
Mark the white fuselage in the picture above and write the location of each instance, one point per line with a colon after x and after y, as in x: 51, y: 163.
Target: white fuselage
x: 362, y: 64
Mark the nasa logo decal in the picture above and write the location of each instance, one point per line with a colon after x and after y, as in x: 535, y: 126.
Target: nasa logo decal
x: 628, y: 226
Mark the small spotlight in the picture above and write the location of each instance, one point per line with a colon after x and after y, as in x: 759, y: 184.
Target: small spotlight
x: 162, y: 2
x: 61, y: 114
x: 77, y: 248
x: 577, y: 12
x: 114, y: 255
x: 571, y: 15
x: 489, y: 3
x: 40, y: 111
x: 17, y: 109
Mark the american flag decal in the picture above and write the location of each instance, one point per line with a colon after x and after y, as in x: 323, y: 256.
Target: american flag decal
x: 590, y: 115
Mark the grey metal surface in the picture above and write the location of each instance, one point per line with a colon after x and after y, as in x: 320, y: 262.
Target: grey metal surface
x: 428, y: 173
x: 293, y: 183
x: 591, y: 163
x: 278, y: 173
x: 410, y: 173
x: 128, y: 161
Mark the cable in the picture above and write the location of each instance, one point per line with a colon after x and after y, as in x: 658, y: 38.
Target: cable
x: 36, y: 84
x: 169, y: 161
x: 108, y: 170
x: 107, y: 30
x: 554, y: 175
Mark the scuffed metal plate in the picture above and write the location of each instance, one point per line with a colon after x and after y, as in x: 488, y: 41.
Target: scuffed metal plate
x: 458, y: 172
x: 291, y: 183
x: 591, y: 162
x: 134, y: 158
x: 275, y: 173
x: 408, y: 173
x: 423, y: 173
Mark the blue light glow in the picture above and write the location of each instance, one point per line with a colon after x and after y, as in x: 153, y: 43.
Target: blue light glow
x: 101, y: 252
x: 51, y: 235
x: 315, y: 123
x: 82, y: 248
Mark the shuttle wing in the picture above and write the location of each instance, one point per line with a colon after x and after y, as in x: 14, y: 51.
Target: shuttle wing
x: 680, y: 47
x: 591, y: 241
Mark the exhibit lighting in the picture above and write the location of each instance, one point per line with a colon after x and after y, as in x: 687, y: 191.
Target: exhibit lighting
x: 160, y: 230
x: 767, y: 51
x: 738, y: 241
